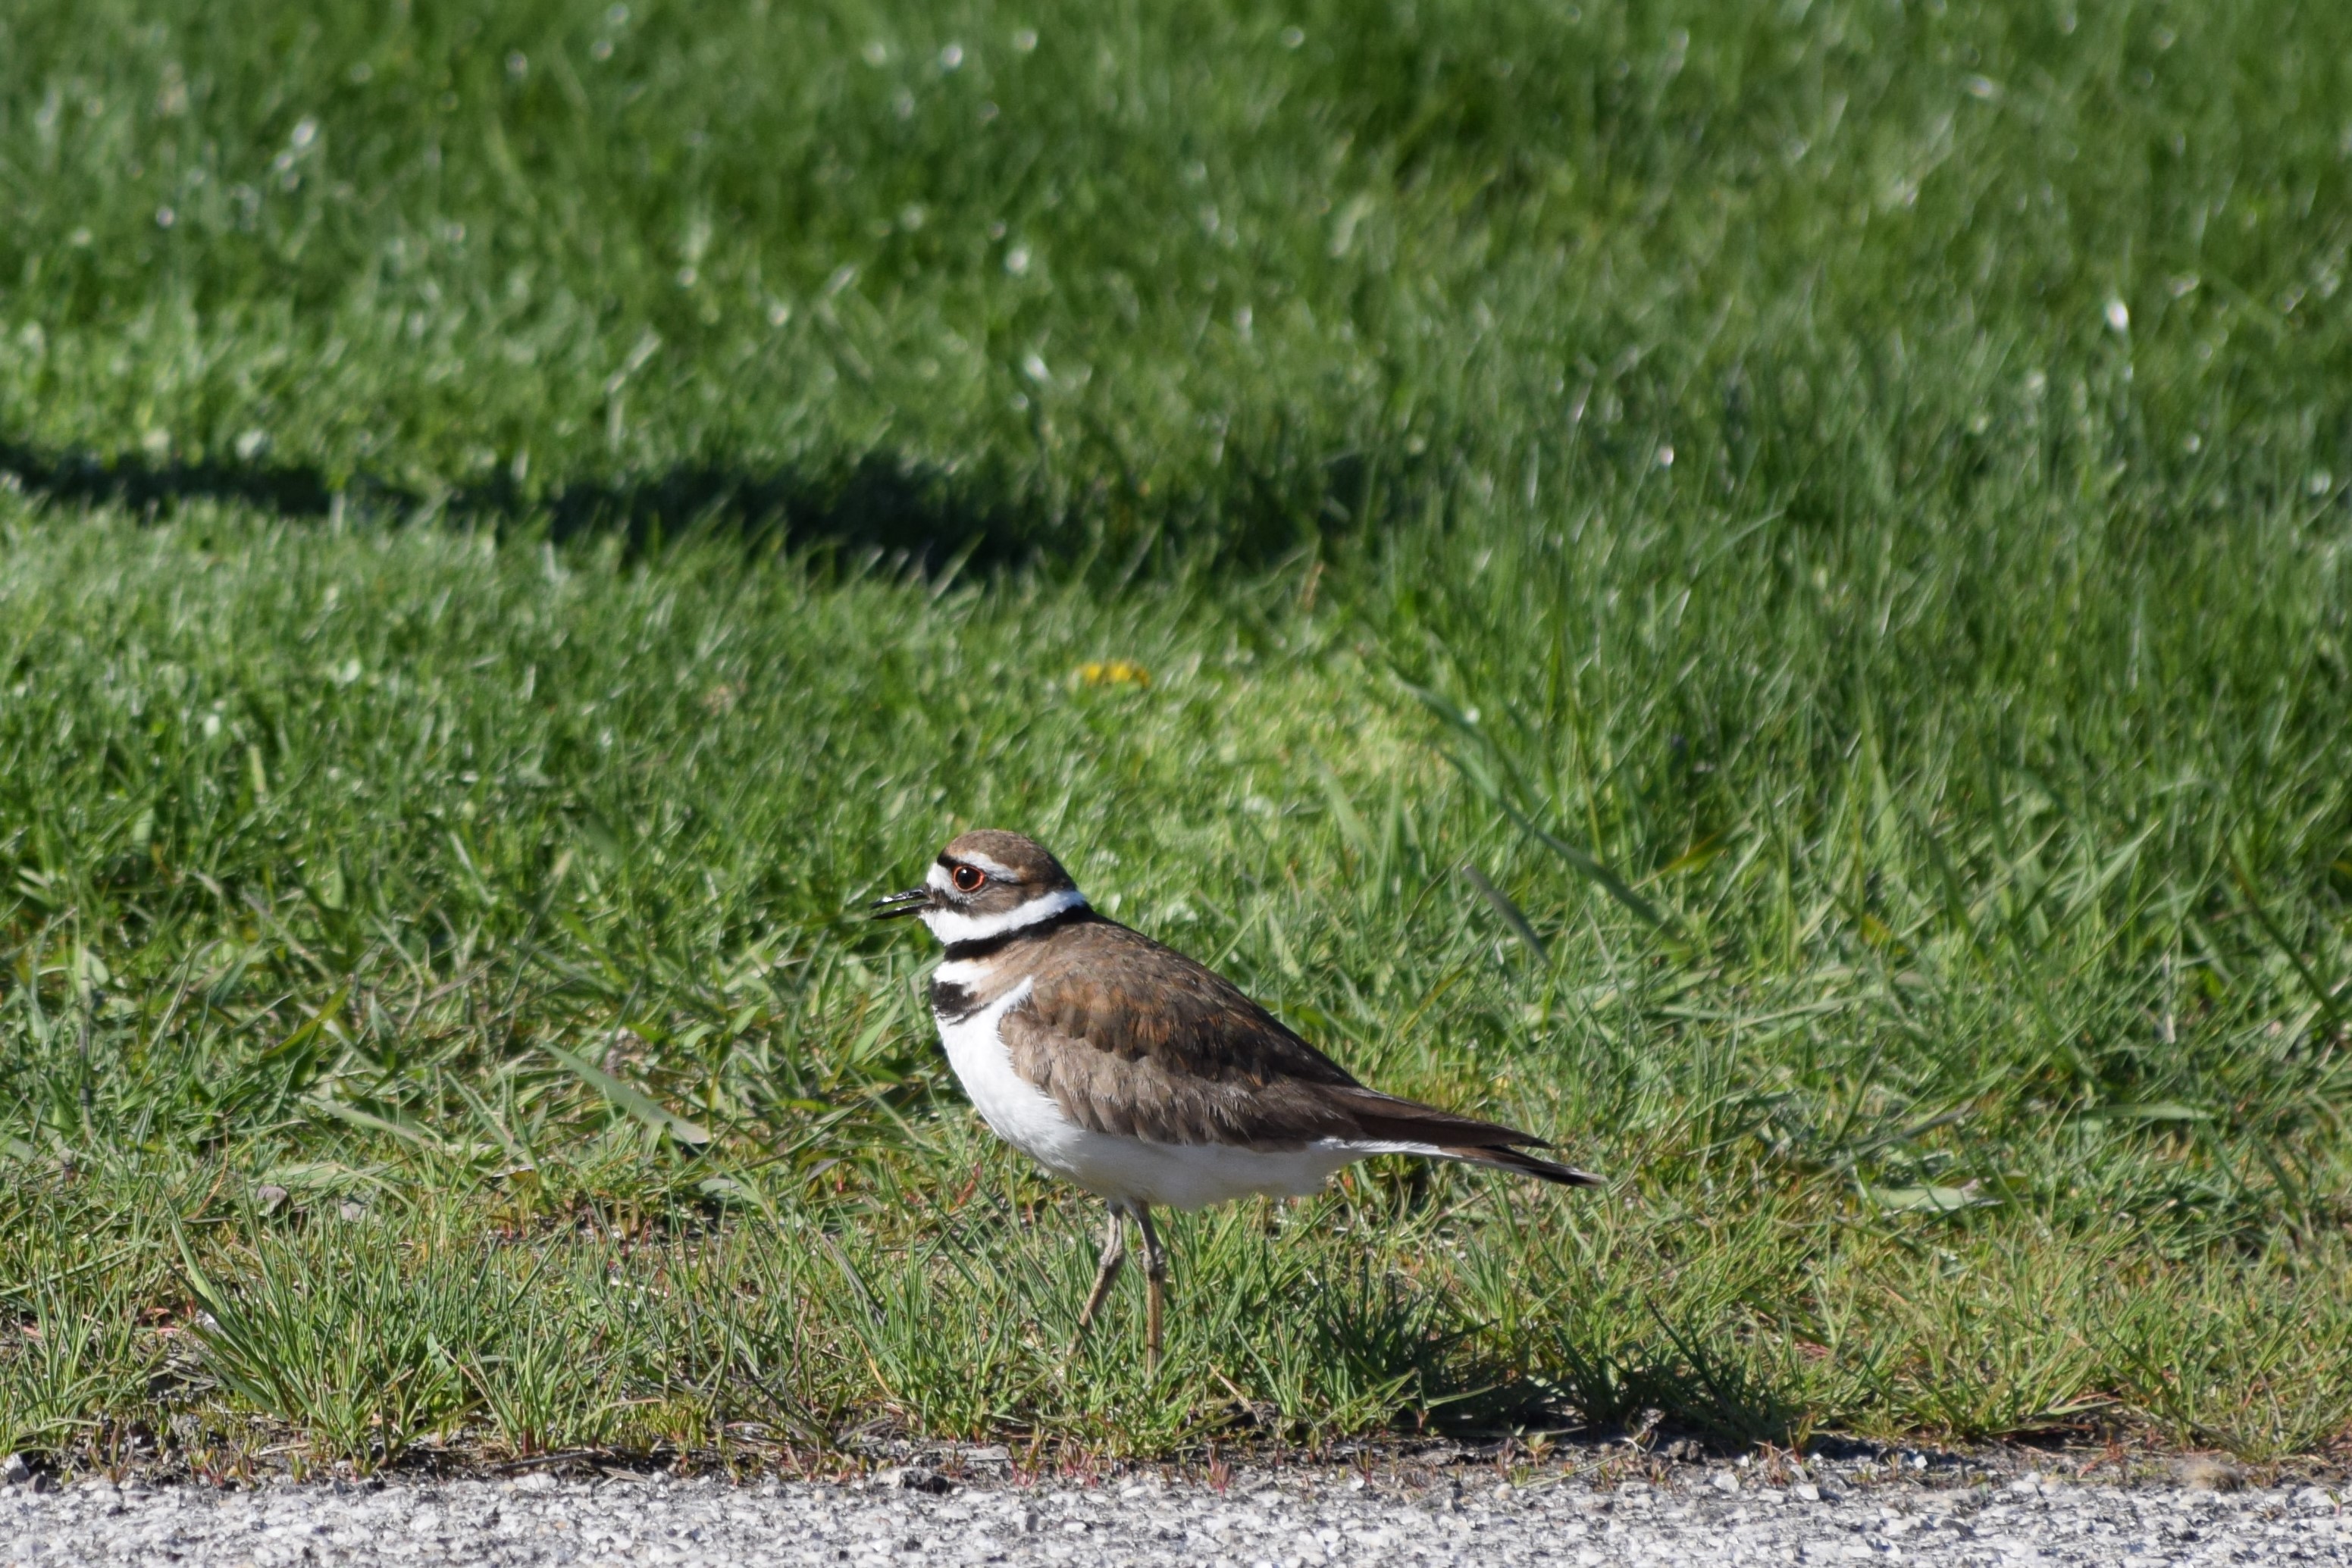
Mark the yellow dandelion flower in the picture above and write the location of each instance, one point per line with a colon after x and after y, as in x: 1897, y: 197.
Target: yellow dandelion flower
x: 1113, y: 672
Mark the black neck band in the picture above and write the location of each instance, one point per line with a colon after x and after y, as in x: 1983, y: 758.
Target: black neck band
x: 981, y: 947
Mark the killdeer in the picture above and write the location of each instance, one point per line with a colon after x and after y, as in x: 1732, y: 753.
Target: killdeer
x: 1139, y: 1074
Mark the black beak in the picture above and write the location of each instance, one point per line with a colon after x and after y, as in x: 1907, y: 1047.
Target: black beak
x: 898, y: 903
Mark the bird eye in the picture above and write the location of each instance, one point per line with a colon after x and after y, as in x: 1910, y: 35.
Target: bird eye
x: 969, y: 879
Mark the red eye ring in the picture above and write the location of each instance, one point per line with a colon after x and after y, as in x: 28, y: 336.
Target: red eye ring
x: 968, y: 878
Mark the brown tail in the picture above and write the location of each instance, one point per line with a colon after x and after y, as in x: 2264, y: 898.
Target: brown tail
x: 1454, y: 1137
x: 1508, y: 1159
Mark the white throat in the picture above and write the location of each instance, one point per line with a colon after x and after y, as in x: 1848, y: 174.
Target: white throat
x: 953, y: 925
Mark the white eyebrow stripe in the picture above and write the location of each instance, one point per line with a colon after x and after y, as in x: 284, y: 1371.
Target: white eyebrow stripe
x: 996, y: 869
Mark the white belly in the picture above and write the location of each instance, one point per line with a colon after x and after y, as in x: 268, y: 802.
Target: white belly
x: 1179, y: 1175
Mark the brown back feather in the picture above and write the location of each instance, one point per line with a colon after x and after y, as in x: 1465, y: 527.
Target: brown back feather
x: 1131, y: 1037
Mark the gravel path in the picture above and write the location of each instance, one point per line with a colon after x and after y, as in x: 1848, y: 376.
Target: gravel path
x: 1293, y: 1519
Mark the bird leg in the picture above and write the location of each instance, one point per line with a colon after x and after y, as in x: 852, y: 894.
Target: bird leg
x: 1155, y: 1273
x: 1114, y: 1253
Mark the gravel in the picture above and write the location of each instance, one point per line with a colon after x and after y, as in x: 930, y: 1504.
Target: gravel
x: 1287, y: 1518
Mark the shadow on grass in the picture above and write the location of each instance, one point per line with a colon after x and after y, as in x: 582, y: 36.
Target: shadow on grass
x: 878, y: 503
x: 1678, y: 1382
x: 921, y: 513
x: 142, y: 484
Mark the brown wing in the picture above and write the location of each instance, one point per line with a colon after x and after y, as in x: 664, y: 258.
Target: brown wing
x: 1133, y: 998
x: 1130, y: 1037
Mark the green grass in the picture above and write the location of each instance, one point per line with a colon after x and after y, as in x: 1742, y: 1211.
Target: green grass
x: 1836, y: 514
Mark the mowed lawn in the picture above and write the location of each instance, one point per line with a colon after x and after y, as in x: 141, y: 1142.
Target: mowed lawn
x: 1759, y: 588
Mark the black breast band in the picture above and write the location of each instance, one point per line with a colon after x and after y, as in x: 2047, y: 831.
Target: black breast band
x: 981, y: 947
x: 951, y: 1003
